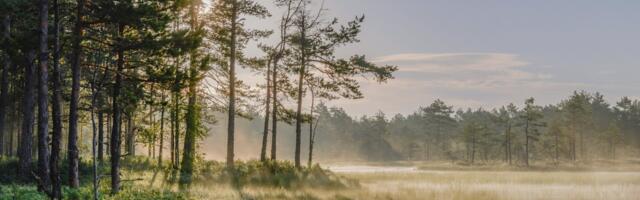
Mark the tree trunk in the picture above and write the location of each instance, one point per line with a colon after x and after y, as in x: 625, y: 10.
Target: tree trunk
x: 100, y: 136
x: 171, y: 139
x: 107, y: 140
x: 573, y: 144
x: 188, y: 157
x: 130, y: 140
x: 232, y: 90
x: 274, y: 114
x: 26, y: 141
x: 526, y: 144
x: 56, y: 108
x: 4, y: 80
x: 43, y: 97
x: 116, y: 112
x: 176, y: 128
x: 473, y: 148
x: 73, y: 156
x: 299, y: 101
x: 583, y: 154
x: 161, y: 132
x: 94, y: 143
x: 265, y: 134
x: 312, y: 134
x: 557, y: 148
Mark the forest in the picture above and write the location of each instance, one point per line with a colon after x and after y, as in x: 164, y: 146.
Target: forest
x: 100, y: 99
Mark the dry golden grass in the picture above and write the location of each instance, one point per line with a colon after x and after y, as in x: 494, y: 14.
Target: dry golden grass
x: 412, y: 183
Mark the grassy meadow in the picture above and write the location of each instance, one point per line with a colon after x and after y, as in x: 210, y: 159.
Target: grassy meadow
x: 254, y: 180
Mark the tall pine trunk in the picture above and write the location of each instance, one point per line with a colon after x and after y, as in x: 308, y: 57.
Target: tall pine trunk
x: 56, y: 108
x: 130, y: 142
x: 4, y: 80
x: 301, y: 74
x: 100, y: 136
x: 161, y: 131
x: 73, y: 152
x: 311, y: 129
x: 231, y: 126
x: 274, y: 112
x: 26, y: 138
x: 176, y: 128
x: 265, y: 133
x: 117, y: 121
x: 43, y: 97
x: 188, y: 157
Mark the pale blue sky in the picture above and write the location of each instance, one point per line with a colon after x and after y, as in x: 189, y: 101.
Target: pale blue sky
x: 491, y: 52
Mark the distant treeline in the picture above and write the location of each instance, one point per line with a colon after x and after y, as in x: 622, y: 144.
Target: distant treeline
x: 581, y: 128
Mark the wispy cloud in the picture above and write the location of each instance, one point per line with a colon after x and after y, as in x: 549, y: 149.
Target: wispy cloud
x: 466, y: 70
x: 461, y: 79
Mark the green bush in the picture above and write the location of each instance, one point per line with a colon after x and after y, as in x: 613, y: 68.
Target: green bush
x: 281, y: 174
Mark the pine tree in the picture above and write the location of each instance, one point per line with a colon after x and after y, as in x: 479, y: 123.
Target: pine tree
x: 230, y: 37
x: 530, y: 118
x: 314, y: 44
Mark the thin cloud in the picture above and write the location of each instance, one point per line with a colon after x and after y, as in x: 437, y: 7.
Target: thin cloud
x: 463, y: 80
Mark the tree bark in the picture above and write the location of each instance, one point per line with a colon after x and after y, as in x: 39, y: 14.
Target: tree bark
x: 303, y: 64
x: 73, y: 151
x: 130, y: 142
x: 265, y: 134
x: 43, y: 97
x: 26, y: 139
x: 312, y: 134
x: 232, y: 89
x: 176, y: 128
x: 4, y: 80
x: 188, y: 157
x: 161, y: 132
x: 56, y: 108
x: 100, y: 136
x: 171, y: 139
x: 117, y: 121
x: 274, y: 115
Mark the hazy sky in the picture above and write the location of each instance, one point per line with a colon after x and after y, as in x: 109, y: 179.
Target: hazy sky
x: 489, y: 53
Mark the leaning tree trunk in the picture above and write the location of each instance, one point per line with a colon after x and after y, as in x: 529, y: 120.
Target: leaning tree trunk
x: 43, y: 97
x: 73, y: 152
x: 26, y: 138
x: 265, y: 133
x: 56, y: 108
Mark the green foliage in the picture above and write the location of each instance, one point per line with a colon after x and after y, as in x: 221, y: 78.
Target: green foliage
x: 279, y: 174
x: 11, y: 192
